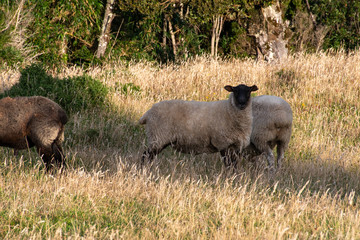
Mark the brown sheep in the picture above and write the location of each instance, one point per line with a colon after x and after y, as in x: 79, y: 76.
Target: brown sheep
x: 33, y: 121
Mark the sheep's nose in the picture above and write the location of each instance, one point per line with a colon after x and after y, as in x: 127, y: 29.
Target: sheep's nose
x: 242, y: 107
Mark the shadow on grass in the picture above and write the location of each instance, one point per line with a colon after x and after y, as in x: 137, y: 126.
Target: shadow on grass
x: 310, y: 173
x: 98, y: 137
x: 73, y: 93
x: 333, y: 173
x: 112, y: 141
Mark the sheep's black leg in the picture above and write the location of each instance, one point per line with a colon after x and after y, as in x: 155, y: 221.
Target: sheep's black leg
x: 58, y: 155
x: 148, y: 155
x: 45, y: 154
x: 226, y: 158
x: 280, y: 149
x: 229, y: 158
x: 51, y: 159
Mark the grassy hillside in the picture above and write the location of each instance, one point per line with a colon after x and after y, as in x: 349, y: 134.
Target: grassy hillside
x: 105, y: 195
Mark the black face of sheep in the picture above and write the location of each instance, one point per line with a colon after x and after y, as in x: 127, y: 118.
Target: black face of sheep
x: 33, y: 121
x: 242, y: 94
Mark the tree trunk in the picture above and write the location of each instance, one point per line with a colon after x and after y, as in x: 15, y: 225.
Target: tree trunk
x: 272, y: 34
x: 173, y: 39
x: 105, y: 30
x: 164, y: 33
x: 218, y: 32
x: 218, y: 22
x: 213, y: 37
x: 182, y: 40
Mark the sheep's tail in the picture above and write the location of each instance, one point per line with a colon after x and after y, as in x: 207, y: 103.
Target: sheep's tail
x: 143, y: 119
x: 63, y: 116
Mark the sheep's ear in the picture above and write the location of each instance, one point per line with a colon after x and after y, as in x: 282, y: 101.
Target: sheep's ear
x: 254, y: 88
x: 229, y: 88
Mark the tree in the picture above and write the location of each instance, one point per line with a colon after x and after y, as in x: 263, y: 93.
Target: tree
x: 271, y: 33
x: 218, y: 12
x: 341, y: 20
x: 104, y: 37
x: 65, y: 30
x: 218, y: 22
x: 215, y: 12
x: 177, y: 13
x: 147, y: 25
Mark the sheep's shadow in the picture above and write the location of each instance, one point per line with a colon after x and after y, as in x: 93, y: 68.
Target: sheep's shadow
x: 333, y: 175
x: 114, y: 141
x: 331, y: 172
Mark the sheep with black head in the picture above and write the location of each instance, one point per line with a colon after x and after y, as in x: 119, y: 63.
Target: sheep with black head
x: 201, y: 127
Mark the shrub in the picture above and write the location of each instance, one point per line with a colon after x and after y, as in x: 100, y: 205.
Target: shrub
x: 73, y: 93
x: 128, y: 88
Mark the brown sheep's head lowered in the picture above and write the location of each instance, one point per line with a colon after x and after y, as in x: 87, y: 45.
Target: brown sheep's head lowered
x: 33, y: 121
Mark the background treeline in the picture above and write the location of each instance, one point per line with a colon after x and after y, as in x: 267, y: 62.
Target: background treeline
x: 66, y: 32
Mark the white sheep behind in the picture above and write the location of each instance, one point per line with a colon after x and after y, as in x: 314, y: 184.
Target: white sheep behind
x: 201, y: 127
x: 272, y: 126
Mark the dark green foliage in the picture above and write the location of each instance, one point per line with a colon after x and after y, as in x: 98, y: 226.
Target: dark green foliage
x: 73, y: 94
x: 65, y: 31
x: 343, y: 19
x: 235, y: 41
x: 340, y: 18
x: 142, y: 32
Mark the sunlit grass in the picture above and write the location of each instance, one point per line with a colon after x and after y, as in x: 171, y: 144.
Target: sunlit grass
x: 105, y: 194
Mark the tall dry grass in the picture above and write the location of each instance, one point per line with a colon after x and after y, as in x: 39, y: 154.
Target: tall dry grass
x: 105, y: 195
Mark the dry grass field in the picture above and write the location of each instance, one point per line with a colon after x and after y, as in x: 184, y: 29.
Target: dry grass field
x: 105, y: 195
